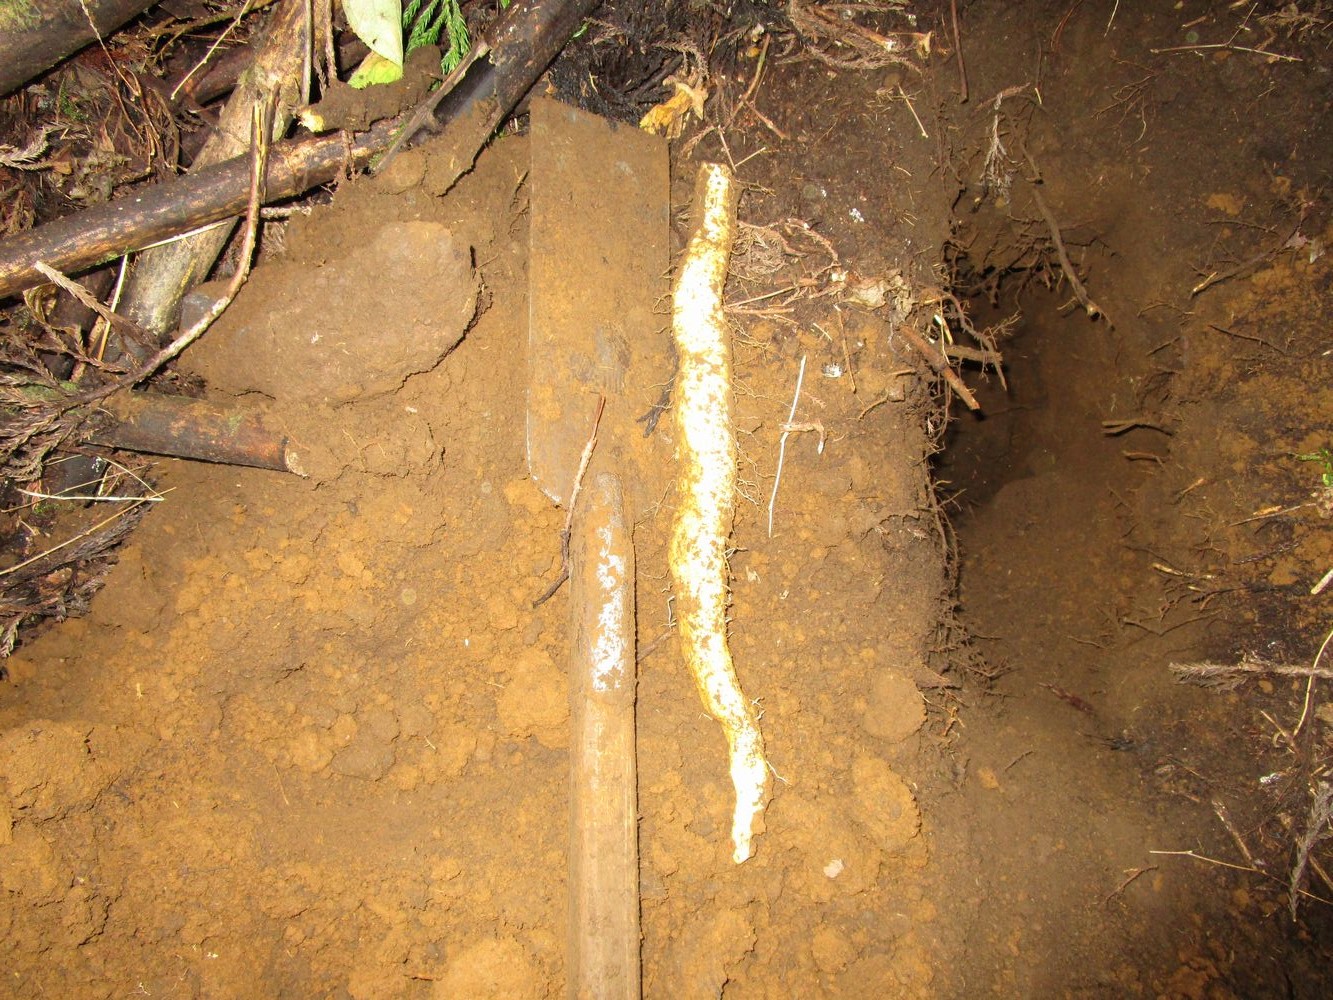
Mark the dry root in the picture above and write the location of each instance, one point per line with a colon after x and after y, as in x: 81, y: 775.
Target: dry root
x: 839, y: 41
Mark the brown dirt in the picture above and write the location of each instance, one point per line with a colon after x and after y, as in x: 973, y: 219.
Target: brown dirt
x: 348, y: 724
x: 311, y: 739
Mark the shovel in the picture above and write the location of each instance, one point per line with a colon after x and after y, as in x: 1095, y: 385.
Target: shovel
x: 597, y: 276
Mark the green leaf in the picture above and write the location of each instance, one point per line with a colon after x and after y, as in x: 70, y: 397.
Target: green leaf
x: 378, y: 23
x: 375, y: 69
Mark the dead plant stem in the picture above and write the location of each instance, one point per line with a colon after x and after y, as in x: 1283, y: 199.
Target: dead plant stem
x: 908, y: 101
x: 958, y: 50
x: 88, y: 532
x: 1093, y: 310
x: 782, y: 444
x: 940, y: 364
x: 1309, y: 684
x: 567, y: 532
x: 1242, y: 268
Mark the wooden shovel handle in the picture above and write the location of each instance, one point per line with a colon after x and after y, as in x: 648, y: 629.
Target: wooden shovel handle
x: 604, y: 849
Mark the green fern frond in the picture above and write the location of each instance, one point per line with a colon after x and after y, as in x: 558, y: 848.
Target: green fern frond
x: 425, y: 21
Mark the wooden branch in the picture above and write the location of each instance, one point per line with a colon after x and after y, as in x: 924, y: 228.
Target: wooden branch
x: 521, y: 45
x: 192, y: 428
x: 163, y: 275
x: 164, y: 210
x: 39, y: 33
x: 939, y: 364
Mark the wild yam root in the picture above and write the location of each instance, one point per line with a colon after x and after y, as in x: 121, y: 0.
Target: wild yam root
x: 706, y: 454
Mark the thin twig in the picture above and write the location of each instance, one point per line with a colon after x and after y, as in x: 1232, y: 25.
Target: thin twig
x: 782, y: 444
x: 259, y: 141
x: 1225, y: 45
x: 1212, y: 861
x: 1130, y: 875
x: 577, y: 488
x: 567, y: 532
x: 940, y: 365
x: 86, y: 499
x: 1244, y: 336
x: 249, y: 5
x: 1093, y: 310
x: 908, y: 101
x: 259, y: 132
x: 1112, y: 428
x: 758, y: 69
x: 79, y: 537
x: 424, y: 113
x: 1220, y: 810
x: 1309, y: 685
x: 1216, y: 278
x: 958, y: 48
x: 1240, y: 868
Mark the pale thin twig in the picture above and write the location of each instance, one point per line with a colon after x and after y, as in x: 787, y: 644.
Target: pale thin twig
x: 86, y: 499
x: 782, y: 444
x: 1233, y: 48
x: 1212, y: 861
x: 100, y: 41
x: 1309, y: 685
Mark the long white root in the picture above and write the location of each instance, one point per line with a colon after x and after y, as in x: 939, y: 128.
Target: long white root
x: 706, y: 453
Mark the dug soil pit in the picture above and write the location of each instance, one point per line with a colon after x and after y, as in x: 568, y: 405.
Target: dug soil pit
x: 321, y: 743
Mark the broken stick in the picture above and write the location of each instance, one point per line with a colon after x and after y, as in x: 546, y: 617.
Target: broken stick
x: 1093, y: 310
x: 939, y: 363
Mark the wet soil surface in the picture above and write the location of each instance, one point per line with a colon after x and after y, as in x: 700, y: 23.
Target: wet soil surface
x: 312, y: 739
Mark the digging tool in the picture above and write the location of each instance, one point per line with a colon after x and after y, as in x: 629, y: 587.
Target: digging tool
x: 597, y: 276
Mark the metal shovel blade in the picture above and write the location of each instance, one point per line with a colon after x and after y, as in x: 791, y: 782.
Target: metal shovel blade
x: 597, y: 290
